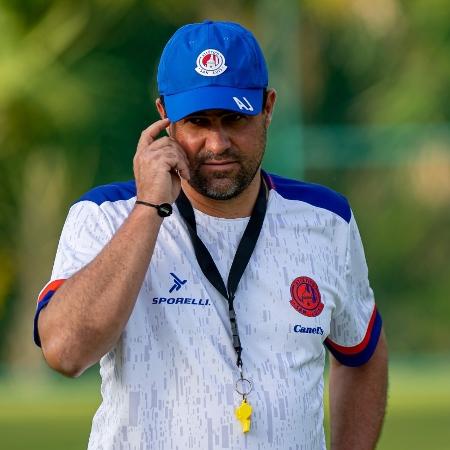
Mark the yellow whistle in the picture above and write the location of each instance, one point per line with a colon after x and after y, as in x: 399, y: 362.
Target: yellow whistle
x: 243, y: 414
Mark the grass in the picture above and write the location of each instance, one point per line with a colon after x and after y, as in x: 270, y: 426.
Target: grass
x: 419, y: 406
x: 40, y: 415
x: 44, y: 415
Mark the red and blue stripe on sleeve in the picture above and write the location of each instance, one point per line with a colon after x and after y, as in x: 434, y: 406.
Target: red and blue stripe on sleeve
x: 43, y: 299
x: 361, y: 353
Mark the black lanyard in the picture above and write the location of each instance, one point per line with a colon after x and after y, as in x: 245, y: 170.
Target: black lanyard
x: 240, y: 261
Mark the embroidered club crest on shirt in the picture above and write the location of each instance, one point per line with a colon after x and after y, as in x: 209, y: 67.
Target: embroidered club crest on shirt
x: 305, y: 297
x: 210, y: 63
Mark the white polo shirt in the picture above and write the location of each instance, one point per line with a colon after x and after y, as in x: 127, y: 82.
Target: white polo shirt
x: 169, y: 383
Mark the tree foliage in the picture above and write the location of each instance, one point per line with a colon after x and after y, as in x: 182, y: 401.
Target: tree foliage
x: 77, y: 85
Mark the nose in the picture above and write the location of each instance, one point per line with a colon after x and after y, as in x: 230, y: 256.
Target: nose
x: 217, y: 140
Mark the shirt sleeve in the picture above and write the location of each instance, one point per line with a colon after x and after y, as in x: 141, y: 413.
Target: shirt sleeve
x: 356, y: 324
x: 85, y: 232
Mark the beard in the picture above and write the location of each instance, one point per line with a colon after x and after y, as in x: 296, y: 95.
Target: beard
x: 225, y: 185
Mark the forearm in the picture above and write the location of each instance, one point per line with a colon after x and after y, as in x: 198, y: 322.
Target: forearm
x: 89, y: 311
x: 358, y: 401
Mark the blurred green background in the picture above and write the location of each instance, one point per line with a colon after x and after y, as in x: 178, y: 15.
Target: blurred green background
x: 363, y: 107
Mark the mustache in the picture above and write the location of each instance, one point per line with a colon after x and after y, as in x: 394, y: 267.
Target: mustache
x: 208, y: 155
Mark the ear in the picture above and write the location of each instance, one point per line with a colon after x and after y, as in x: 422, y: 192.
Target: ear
x: 269, y: 106
x: 162, y: 112
x: 160, y: 108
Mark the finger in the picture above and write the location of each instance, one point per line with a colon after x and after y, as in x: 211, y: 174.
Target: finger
x: 168, y: 145
x: 170, y: 156
x: 164, y: 146
x: 178, y: 165
x: 184, y: 174
x: 183, y: 171
x: 165, y: 149
x: 181, y: 150
x: 153, y: 131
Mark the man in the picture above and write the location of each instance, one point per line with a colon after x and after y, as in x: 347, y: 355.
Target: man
x: 207, y: 288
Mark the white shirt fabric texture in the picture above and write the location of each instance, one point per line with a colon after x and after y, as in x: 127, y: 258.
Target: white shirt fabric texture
x: 169, y: 383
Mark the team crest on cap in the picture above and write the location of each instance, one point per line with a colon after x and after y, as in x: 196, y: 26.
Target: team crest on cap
x: 210, y: 63
x: 306, y: 297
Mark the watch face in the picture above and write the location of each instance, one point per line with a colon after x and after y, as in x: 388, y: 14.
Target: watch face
x: 164, y: 210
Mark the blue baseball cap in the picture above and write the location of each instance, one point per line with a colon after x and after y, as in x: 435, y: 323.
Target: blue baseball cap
x: 212, y: 65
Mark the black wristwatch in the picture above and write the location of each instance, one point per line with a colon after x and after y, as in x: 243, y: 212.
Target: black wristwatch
x: 164, y: 209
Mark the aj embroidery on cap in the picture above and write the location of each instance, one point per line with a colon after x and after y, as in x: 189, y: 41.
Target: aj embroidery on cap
x: 210, y: 63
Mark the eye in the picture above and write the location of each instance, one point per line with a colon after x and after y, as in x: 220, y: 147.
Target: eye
x: 235, y: 117
x: 198, y: 121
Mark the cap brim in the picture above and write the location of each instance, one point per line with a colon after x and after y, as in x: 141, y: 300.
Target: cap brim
x: 244, y: 101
